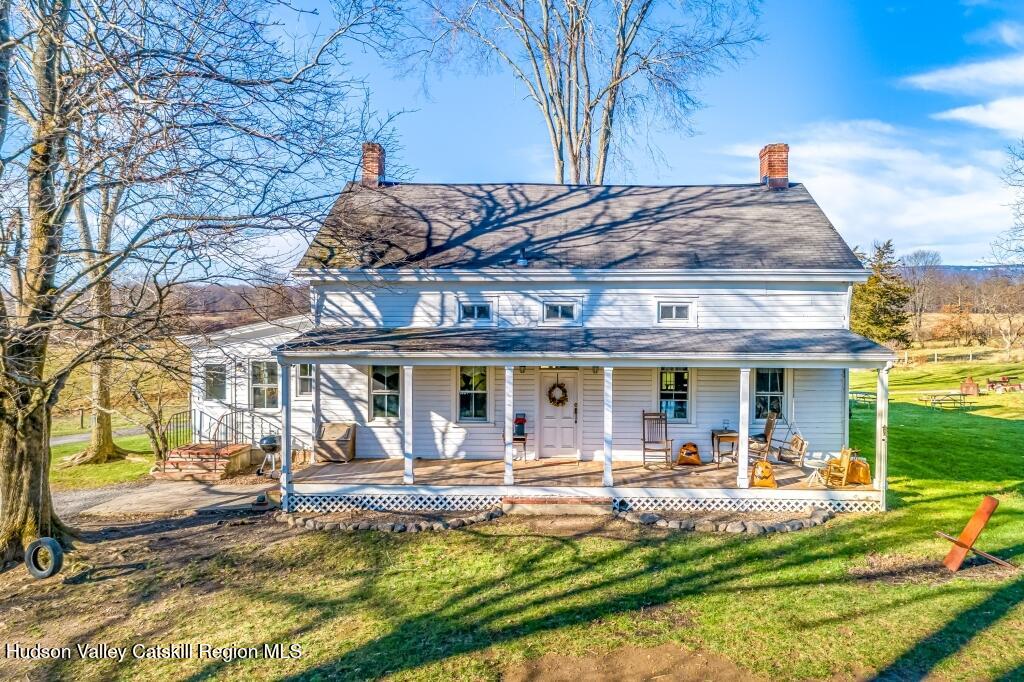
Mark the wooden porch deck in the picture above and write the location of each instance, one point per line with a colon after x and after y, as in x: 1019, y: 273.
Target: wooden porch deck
x: 544, y: 472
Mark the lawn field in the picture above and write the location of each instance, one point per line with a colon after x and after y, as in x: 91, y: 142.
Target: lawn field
x: 96, y: 475
x: 856, y: 598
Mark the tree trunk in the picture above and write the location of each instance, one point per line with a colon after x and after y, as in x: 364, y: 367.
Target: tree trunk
x: 26, y: 509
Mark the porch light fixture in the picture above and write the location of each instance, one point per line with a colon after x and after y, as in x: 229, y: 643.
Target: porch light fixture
x: 522, y: 369
x: 595, y: 370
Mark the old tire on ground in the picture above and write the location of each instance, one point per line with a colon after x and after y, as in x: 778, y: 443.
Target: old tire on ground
x: 36, y: 558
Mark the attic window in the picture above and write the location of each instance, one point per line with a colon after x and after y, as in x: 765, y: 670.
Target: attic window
x: 560, y: 312
x: 676, y: 313
x: 673, y: 312
x: 475, y: 312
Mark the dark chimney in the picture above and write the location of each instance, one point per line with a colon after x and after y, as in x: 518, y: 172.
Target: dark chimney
x: 373, y: 165
x: 775, y: 165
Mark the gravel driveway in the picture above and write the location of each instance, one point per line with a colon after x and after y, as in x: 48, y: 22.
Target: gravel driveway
x: 73, y: 502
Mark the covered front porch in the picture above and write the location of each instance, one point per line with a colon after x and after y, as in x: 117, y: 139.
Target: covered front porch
x: 611, y: 376
x: 544, y: 473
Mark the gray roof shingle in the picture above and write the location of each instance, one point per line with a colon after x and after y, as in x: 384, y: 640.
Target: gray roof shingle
x: 587, y: 342
x: 577, y: 227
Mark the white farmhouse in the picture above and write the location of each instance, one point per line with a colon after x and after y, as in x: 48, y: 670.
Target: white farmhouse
x: 490, y: 341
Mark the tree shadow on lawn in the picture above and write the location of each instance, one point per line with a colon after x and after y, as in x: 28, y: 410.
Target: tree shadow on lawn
x: 538, y: 591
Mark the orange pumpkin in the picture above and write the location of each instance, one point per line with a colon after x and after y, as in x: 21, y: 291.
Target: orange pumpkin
x: 763, y: 475
x: 688, y: 454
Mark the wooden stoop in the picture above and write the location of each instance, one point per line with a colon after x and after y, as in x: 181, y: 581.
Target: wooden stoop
x: 203, y: 462
x: 562, y: 506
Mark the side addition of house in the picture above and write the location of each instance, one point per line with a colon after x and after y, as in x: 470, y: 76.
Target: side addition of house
x: 469, y: 343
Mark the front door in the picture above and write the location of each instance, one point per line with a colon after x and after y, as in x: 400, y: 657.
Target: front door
x: 558, y: 422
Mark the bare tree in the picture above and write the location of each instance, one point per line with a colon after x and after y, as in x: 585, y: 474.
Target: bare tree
x: 597, y: 68
x: 1001, y: 300
x: 242, y: 139
x: 920, y: 272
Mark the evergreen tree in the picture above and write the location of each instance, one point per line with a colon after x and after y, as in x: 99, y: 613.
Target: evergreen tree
x: 879, y: 309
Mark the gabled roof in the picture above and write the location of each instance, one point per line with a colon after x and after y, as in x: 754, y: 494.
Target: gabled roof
x: 296, y: 324
x: 456, y: 226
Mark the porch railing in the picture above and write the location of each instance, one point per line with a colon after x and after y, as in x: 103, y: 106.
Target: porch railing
x: 237, y: 426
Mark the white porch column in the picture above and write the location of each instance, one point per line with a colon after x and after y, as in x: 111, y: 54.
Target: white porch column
x: 743, y: 447
x: 607, y: 480
x: 287, y: 486
x: 510, y: 448
x: 406, y: 392
x: 882, y: 433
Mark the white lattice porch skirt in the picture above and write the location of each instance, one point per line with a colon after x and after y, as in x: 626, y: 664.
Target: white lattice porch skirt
x: 322, y: 498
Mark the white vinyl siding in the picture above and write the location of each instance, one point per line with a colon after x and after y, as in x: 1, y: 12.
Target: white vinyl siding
x: 721, y: 305
x: 817, y: 405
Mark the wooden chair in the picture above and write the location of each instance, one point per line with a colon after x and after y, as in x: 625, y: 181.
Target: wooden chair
x: 655, y: 435
x: 793, y: 451
x: 761, y: 444
x: 837, y: 472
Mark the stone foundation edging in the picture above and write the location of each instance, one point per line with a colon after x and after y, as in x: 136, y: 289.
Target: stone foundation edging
x: 300, y: 522
x: 816, y: 517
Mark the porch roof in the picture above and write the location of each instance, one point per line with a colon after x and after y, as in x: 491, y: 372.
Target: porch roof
x: 587, y: 345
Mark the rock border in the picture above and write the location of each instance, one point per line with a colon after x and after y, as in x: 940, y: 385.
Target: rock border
x: 300, y: 522
x: 816, y: 516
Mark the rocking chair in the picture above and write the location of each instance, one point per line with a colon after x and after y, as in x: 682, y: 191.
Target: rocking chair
x: 761, y: 444
x: 837, y: 471
x: 655, y: 435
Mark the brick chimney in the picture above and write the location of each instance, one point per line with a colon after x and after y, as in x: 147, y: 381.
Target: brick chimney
x: 373, y: 165
x: 775, y: 165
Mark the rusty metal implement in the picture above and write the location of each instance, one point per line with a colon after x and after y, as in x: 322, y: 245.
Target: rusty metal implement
x: 965, y: 543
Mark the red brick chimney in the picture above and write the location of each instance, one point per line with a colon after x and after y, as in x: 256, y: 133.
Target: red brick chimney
x: 775, y: 165
x: 373, y: 165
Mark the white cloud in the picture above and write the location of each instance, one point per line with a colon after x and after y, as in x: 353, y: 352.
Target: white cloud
x: 1009, y: 33
x: 876, y: 181
x: 994, y: 75
x: 1005, y: 115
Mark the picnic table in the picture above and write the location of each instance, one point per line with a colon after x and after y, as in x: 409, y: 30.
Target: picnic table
x: 863, y: 396
x: 937, y: 399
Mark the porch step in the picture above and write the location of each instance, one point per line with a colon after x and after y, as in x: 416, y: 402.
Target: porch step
x: 561, y: 506
x: 175, y: 475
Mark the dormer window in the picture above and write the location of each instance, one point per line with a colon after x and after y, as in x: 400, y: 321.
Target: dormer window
x: 475, y: 312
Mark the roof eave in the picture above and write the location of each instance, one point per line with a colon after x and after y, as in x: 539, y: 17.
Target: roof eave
x: 511, y: 274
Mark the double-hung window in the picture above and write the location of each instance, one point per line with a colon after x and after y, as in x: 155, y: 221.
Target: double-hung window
x: 385, y: 383
x: 674, y: 392
x: 304, y: 380
x: 215, y: 382
x: 472, y: 394
x: 263, y: 385
x: 769, y: 392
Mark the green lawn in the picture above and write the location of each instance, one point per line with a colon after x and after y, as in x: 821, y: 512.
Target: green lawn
x: 96, y: 475
x: 466, y: 605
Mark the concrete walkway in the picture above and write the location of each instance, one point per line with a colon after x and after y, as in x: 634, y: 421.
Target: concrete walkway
x: 84, y: 437
x: 168, y: 497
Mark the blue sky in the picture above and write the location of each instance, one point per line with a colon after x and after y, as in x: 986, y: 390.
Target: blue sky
x: 898, y: 116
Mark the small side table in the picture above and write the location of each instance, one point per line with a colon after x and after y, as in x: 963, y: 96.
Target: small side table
x: 719, y: 436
